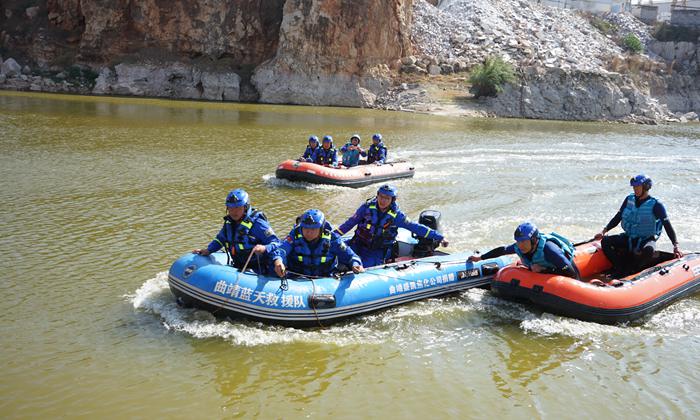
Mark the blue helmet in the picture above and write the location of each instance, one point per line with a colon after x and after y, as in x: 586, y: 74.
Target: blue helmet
x: 356, y: 136
x: 312, y: 219
x: 377, y: 136
x: 525, y: 232
x: 237, y: 198
x: 389, y: 190
x: 327, y: 139
x: 313, y: 139
x: 643, y: 180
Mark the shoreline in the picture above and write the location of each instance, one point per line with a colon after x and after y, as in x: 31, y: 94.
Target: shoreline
x: 446, y: 105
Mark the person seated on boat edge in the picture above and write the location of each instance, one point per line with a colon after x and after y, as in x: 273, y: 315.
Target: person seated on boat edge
x: 541, y: 253
x: 643, y: 218
x: 245, y: 230
x: 313, y: 249
x: 377, y: 151
x: 311, y: 150
x: 377, y: 221
x: 327, y: 155
x: 352, y: 151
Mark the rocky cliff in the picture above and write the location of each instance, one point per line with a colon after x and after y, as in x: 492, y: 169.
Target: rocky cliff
x: 369, y: 53
x: 335, y: 52
x: 330, y: 52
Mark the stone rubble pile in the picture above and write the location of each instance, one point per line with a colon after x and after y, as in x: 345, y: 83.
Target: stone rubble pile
x: 627, y: 24
x: 405, y: 97
x: 563, y: 61
x: 13, y: 76
x: 459, y: 34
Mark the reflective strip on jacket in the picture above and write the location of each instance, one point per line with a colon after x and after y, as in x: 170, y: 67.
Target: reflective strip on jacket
x: 310, y: 153
x: 316, y: 261
x: 376, y: 153
x: 377, y: 230
x: 238, y: 239
x: 327, y: 156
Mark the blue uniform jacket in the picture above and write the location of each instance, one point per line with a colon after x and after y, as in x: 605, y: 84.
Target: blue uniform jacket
x: 338, y: 251
x: 376, y: 153
x: 401, y: 221
x: 260, y: 233
x: 310, y: 154
x: 327, y: 156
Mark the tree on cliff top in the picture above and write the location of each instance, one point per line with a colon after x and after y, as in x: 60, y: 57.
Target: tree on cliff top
x: 488, y: 79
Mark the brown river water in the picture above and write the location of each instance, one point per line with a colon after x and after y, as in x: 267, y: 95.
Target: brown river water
x: 100, y: 195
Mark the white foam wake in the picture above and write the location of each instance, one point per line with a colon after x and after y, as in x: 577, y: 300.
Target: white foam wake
x: 154, y: 296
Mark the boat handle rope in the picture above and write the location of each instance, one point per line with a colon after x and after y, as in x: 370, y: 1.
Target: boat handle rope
x: 283, y: 286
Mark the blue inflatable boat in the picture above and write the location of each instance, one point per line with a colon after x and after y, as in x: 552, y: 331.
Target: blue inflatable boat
x: 209, y: 283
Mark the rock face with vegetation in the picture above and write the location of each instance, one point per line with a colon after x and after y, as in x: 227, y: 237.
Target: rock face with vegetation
x: 570, y: 65
x: 369, y: 53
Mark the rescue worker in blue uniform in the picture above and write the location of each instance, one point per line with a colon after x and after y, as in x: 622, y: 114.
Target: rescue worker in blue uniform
x: 327, y: 155
x: 311, y: 150
x: 245, y: 231
x: 377, y: 222
x: 377, y: 151
x: 643, y: 217
x: 313, y: 249
x: 539, y: 252
x: 352, y: 152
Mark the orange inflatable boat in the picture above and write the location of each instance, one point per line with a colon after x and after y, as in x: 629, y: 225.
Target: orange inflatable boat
x: 357, y: 176
x: 611, y: 302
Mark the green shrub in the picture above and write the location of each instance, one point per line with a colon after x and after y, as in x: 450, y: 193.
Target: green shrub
x: 632, y: 43
x: 488, y: 79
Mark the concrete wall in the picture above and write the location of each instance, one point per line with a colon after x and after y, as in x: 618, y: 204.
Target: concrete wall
x: 647, y: 14
x: 664, y: 13
x: 595, y: 6
x: 686, y: 17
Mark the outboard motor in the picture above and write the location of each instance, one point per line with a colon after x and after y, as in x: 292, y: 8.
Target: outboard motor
x: 426, y: 247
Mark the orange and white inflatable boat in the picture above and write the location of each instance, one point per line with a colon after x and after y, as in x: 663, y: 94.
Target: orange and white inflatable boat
x: 357, y: 176
x: 629, y: 299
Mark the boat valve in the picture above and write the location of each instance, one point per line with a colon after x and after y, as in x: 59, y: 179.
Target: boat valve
x: 686, y: 267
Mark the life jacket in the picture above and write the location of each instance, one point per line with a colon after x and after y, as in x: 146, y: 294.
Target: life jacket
x: 537, y: 257
x: 314, y: 262
x: 325, y: 157
x: 310, y: 153
x: 239, y: 240
x: 374, y: 153
x: 640, y: 222
x: 350, y: 157
x: 377, y: 230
